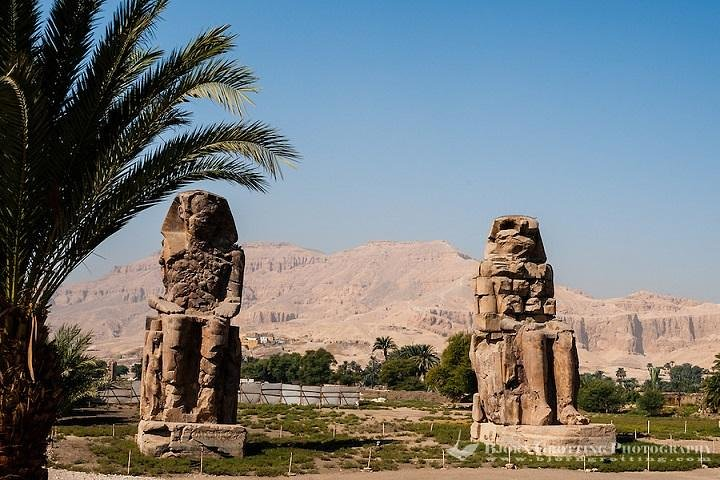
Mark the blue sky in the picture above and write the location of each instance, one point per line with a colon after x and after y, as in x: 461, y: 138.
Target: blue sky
x: 424, y: 120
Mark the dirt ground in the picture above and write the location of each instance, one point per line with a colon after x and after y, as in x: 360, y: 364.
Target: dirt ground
x: 449, y: 474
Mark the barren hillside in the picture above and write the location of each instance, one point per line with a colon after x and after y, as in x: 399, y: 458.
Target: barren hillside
x: 415, y: 292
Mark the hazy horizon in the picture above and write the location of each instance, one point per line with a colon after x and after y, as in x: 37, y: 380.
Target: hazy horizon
x: 424, y: 121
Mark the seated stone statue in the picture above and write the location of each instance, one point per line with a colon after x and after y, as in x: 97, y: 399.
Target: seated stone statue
x: 526, y: 362
x: 191, y: 364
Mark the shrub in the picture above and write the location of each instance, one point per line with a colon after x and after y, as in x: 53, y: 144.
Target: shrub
x: 599, y: 393
x: 454, y: 376
x: 651, y: 401
x: 400, y: 374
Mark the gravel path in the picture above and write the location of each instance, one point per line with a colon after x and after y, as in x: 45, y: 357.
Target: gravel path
x: 429, y: 474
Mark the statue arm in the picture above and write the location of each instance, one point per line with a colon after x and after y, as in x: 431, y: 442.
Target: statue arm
x: 230, y: 307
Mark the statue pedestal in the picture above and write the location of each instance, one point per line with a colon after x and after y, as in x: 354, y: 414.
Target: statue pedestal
x: 548, y: 440
x: 166, y: 439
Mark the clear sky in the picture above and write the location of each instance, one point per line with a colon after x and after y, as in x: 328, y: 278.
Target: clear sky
x: 424, y: 120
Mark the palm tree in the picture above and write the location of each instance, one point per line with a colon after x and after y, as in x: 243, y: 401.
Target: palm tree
x: 424, y: 355
x: 654, y: 373
x: 94, y: 129
x: 711, y: 387
x: 385, y: 344
x: 81, y: 375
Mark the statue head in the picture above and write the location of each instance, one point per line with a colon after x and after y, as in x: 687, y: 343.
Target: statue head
x: 516, y: 237
x: 198, y: 219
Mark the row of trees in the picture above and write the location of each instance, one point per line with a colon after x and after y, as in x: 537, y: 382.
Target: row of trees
x: 402, y: 368
x: 600, y: 393
x: 312, y: 368
x: 684, y: 378
x: 417, y: 367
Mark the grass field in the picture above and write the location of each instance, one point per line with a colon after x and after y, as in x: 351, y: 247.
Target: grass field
x: 342, y: 439
x: 662, y: 427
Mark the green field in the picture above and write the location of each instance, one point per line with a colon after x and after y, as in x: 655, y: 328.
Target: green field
x: 662, y: 427
x: 334, y: 439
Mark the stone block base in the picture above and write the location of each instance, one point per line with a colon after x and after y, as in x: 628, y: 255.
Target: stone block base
x: 548, y: 440
x: 166, y: 439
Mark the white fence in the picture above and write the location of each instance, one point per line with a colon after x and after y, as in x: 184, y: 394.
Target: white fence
x: 121, y: 393
x: 288, y: 394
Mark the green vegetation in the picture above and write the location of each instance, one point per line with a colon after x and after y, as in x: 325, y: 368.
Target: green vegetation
x: 685, y: 378
x: 660, y: 427
x: 454, y: 376
x: 599, y: 393
x: 423, y: 355
x: 312, y: 368
x: 348, y: 373
x: 385, y: 345
x: 711, y: 387
x: 400, y: 374
x: 316, y: 367
x: 81, y: 375
x: 651, y: 401
x: 323, y: 438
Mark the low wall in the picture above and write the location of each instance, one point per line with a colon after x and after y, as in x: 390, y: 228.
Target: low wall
x: 288, y: 394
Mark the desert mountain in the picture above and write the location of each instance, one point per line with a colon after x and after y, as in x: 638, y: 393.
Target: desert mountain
x: 414, y: 292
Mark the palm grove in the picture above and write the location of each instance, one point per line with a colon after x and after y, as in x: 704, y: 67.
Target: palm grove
x: 96, y: 126
x: 407, y: 367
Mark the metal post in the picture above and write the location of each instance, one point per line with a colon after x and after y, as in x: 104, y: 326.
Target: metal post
x: 129, y: 454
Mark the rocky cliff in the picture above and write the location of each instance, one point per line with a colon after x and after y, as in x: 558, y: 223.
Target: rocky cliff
x: 415, y: 292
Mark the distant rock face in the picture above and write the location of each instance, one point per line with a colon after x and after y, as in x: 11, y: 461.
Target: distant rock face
x: 415, y: 292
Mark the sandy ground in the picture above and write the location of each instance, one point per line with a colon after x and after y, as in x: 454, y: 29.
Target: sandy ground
x: 430, y: 474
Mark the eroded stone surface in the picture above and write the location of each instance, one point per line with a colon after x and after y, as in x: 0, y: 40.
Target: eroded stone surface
x: 165, y: 439
x: 526, y: 361
x: 191, y: 356
x: 549, y: 440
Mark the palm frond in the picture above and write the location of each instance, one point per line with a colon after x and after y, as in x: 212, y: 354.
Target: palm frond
x: 65, y: 46
x: 92, y: 149
x: 19, y: 26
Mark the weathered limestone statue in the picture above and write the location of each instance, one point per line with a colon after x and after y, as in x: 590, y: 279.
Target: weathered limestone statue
x: 525, y: 360
x: 191, y: 357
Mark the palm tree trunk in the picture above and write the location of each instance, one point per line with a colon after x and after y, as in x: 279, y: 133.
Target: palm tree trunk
x: 28, y: 399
